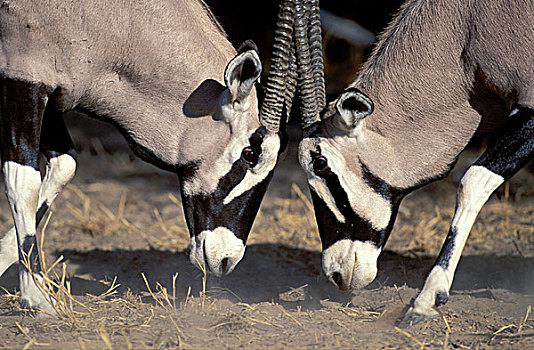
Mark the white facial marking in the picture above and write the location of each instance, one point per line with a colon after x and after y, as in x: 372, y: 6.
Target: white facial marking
x: 202, y: 184
x: 266, y: 162
x: 318, y: 184
x: 356, y: 261
x: 363, y: 199
x: 220, y: 244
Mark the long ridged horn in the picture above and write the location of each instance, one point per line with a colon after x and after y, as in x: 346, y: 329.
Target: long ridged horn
x: 316, y: 50
x: 311, y: 82
x: 274, y: 99
x: 291, y: 81
x: 306, y: 84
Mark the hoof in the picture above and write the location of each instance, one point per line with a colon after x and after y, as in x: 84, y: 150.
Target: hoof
x: 412, y: 318
x: 441, y: 298
x: 40, y: 310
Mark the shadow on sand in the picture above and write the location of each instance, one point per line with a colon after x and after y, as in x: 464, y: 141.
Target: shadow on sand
x: 275, y: 273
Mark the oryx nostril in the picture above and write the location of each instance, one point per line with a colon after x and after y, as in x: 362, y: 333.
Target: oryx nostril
x: 338, y: 280
x: 224, y: 265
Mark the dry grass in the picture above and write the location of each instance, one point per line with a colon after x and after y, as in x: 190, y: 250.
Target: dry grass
x: 186, y: 312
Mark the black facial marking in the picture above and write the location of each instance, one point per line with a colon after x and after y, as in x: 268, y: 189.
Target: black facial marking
x: 331, y: 230
x: 187, y: 171
x: 207, y: 212
x: 30, y: 251
x: 320, y: 164
x: 251, y: 153
x: 355, y: 227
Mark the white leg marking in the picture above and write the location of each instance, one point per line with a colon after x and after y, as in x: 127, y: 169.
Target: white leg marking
x: 356, y: 261
x: 219, y: 244
x: 476, y: 186
x: 437, y: 281
x: 22, y: 189
x: 513, y: 112
x: 59, y: 172
x: 8, y: 250
x: 31, y: 297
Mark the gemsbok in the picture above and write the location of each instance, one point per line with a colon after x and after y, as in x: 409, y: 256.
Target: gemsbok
x: 165, y: 75
x: 442, y: 73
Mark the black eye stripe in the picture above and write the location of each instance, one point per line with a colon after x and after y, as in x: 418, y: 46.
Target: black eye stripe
x: 250, y: 156
x: 319, y: 168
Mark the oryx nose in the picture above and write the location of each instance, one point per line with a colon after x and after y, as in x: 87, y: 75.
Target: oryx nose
x: 337, y: 278
x: 218, y: 250
x: 220, y: 267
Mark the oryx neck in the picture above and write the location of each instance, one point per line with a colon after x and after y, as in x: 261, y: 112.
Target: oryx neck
x: 412, y: 136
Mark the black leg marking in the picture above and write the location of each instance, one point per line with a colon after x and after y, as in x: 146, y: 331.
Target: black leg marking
x: 514, y: 148
x: 40, y: 213
x: 55, y: 137
x: 55, y: 141
x: 441, y: 298
x: 30, y: 253
x: 21, y: 113
x: 445, y: 254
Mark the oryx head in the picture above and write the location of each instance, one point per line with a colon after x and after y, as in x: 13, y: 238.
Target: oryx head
x: 223, y: 188
x: 354, y: 208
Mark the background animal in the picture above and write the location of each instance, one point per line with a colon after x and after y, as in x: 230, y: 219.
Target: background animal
x: 165, y: 75
x: 442, y: 74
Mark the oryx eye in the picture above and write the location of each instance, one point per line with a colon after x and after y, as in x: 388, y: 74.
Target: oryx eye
x: 249, y: 155
x: 320, y: 163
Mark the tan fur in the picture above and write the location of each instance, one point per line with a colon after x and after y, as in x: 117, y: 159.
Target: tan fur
x: 155, y: 68
x: 440, y: 71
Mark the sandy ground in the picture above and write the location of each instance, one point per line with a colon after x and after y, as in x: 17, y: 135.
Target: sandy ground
x: 121, y: 219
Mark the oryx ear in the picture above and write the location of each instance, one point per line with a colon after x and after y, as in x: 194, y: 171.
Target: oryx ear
x: 351, y: 107
x: 241, y: 73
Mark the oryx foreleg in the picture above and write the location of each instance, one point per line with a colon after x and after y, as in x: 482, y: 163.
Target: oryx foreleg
x: 22, y: 106
x: 60, y: 154
x: 502, y: 159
